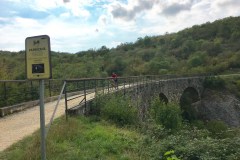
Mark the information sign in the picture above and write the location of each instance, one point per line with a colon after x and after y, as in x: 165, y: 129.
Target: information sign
x: 38, y: 59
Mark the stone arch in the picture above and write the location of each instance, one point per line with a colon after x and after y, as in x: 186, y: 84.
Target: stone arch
x: 189, y: 96
x: 163, y: 98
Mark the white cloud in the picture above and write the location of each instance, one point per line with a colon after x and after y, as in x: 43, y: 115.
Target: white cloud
x: 65, y: 15
x: 103, y: 20
x: 84, y: 24
x: 201, y: 11
x: 77, y: 9
x: 114, y: 44
x: 129, y: 11
x: 43, y: 5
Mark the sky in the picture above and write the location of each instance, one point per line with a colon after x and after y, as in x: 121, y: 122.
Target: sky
x: 80, y: 25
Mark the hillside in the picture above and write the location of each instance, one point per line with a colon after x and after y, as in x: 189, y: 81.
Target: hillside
x: 207, y: 48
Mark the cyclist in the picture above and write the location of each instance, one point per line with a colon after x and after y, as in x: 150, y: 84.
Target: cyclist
x: 114, y: 78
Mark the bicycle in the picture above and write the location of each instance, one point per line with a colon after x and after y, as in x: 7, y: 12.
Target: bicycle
x: 113, y: 84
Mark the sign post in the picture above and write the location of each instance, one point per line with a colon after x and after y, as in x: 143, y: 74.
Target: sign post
x: 42, y: 121
x: 38, y: 67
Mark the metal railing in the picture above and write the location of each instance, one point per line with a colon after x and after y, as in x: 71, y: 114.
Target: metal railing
x: 18, y: 91
x: 77, y: 90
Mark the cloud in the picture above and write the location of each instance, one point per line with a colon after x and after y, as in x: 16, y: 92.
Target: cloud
x: 230, y: 7
x: 176, y: 8
x: 186, y: 14
x: 43, y: 5
x: 129, y: 12
x: 82, y: 24
x: 103, y: 20
x: 224, y: 3
x: 66, y: 1
x: 76, y: 8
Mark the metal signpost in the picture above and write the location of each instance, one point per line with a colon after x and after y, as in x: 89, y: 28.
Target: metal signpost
x: 38, y: 67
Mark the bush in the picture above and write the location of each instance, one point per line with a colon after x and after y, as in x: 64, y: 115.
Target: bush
x: 116, y: 108
x: 214, y: 83
x: 198, y: 123
x: 194, y: 144
x: 217, y: 128
x: 97, y: 103
x: 168, y: 115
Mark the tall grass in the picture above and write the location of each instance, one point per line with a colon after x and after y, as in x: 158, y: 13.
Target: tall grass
x: 79, y: 138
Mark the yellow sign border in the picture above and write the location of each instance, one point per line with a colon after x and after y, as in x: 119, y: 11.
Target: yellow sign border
x: 38, y: 57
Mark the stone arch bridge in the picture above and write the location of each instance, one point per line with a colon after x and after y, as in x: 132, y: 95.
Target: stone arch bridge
x: 169, y: 89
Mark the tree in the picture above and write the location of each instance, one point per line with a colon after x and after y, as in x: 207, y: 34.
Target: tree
x: 197, y: 59
x: 103, y: 50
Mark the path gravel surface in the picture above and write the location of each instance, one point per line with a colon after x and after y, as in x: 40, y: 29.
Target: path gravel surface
x: 16, y: 126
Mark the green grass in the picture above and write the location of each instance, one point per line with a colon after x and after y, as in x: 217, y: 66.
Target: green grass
x: 79, y: 138
x: 83, y: 138
x: 92, y: 138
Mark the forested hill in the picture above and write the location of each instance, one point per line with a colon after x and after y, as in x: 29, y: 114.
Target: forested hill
x: 207, y: 48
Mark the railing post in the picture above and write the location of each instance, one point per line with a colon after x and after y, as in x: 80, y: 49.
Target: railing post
x: 132, y: 79
x: 129, y: 81
x: 66, y: 105
x: 159, y: 82
x: 144, y: 80
x: 108, y: 85
x: 124, y: 91
x: 24, y: 90
x: 137, y: 85
x: 50, y: 90
x: 5, y: 91
x: 77, y: 86
x: 85, y: 96
x: 151, y: 82
x: 31, y: 87
x: 103, y: 86
x: 95, y: 87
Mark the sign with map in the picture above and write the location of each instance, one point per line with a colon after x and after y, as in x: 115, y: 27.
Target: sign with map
x: 38, y: 59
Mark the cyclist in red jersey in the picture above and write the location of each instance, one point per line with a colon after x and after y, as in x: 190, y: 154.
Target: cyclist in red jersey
x: 114, y: 77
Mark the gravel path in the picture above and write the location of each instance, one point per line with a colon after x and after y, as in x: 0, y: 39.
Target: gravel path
x: 16, y: 126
